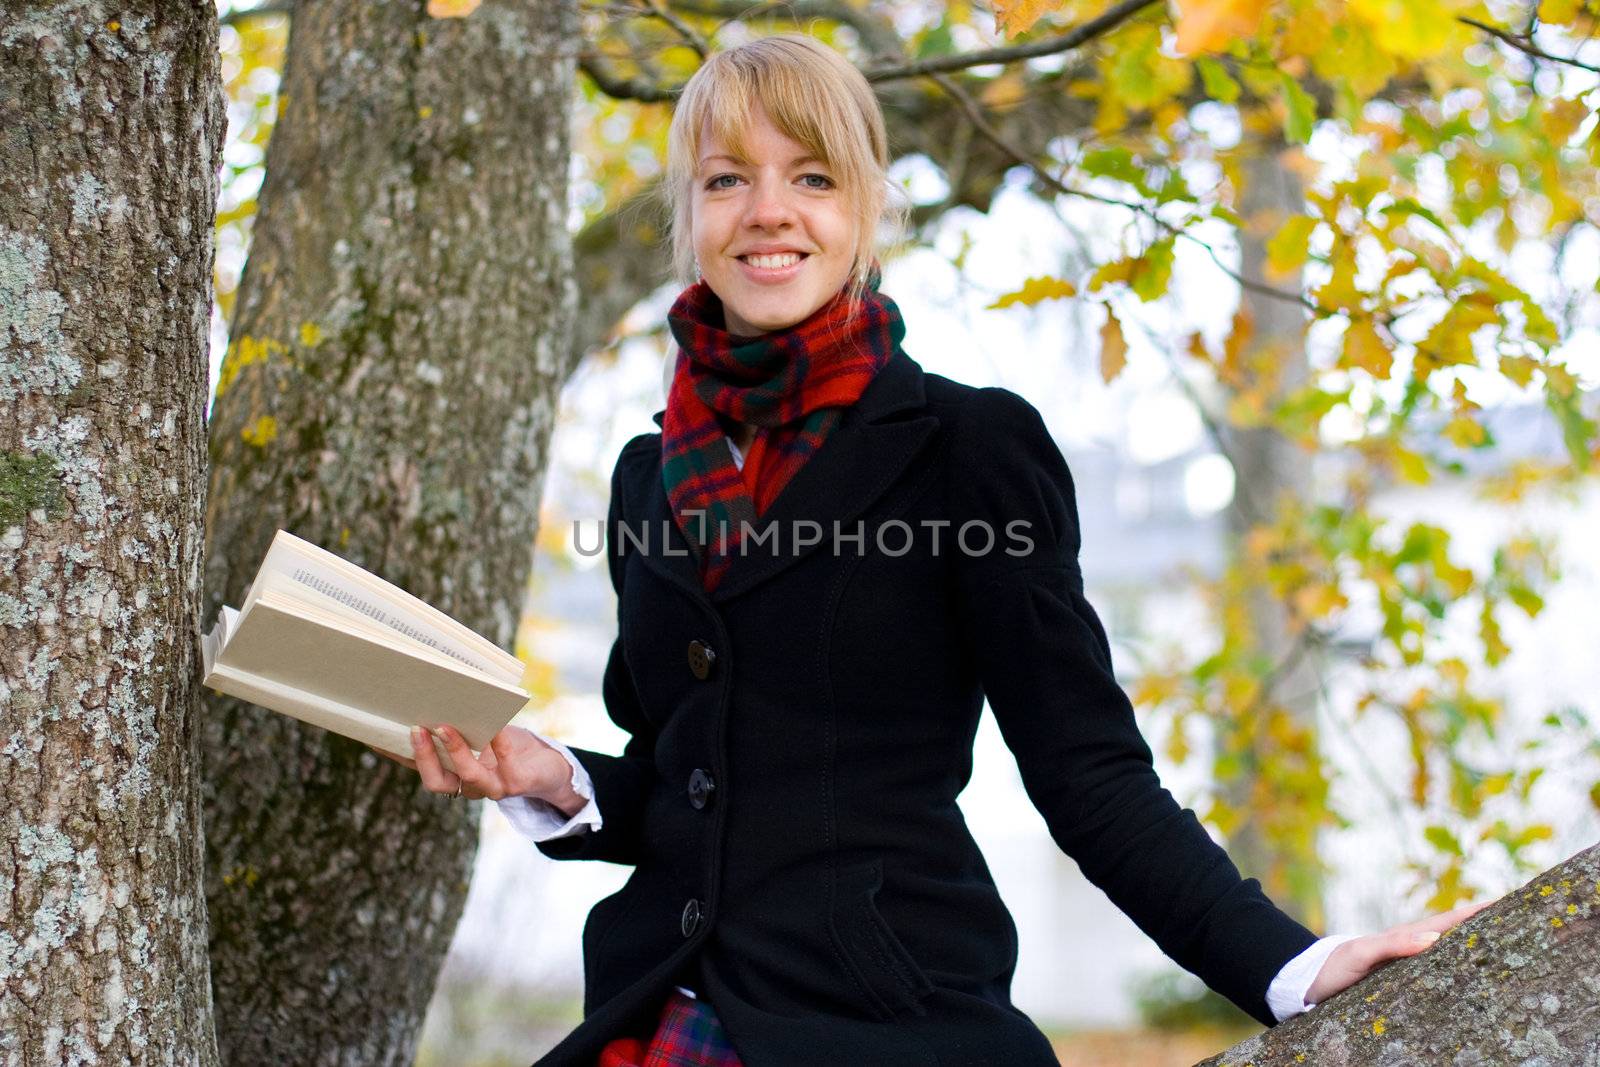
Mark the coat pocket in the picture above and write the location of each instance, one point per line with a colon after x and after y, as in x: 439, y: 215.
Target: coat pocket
x: 603, y: 976
x: 889, y: 978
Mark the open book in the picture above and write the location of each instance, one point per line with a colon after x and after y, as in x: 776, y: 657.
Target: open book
x: 333, y: 645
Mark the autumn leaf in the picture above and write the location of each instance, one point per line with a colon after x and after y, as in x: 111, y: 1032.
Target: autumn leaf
x: 1035, y: 290
x: 1211, y: 25
x: 1364, y: 348
x: 1287, y: 250
x: 1013, y: 17
x: 452, y: 9
x: 1113, y: 347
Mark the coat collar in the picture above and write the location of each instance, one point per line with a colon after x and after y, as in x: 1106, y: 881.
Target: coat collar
x: 865, y: 454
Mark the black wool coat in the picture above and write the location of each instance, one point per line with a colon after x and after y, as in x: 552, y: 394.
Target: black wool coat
x: 787, y: 795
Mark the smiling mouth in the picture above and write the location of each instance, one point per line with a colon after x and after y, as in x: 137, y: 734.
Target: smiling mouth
x: 773, y: 261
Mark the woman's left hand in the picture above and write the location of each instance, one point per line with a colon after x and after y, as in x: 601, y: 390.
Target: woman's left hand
x: 1354, y: 960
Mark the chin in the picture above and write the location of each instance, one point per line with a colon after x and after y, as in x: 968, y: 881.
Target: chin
x: 770, y: 318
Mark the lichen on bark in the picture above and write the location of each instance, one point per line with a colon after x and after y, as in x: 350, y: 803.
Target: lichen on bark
x: 400, y: 340
x: 111, y: 129
x: 1517, y: 983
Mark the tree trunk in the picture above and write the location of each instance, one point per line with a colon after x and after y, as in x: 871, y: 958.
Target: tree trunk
x: 1268, y: 465
x: 111, y: 131
x: 1518, y: 983
x: 388, y: 393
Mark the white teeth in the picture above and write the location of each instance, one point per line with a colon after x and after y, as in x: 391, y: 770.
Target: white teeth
x: 782, y: 259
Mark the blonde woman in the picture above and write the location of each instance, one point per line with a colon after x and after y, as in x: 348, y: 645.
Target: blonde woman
x: 824, y: 562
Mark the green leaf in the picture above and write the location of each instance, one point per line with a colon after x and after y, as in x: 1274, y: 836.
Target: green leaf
x: 1115, y: 163
x: 1301, y: 110
x: 1219, y: 84
x: 1443, y: 840
x: 936, y: 42
x: 1154, y: 270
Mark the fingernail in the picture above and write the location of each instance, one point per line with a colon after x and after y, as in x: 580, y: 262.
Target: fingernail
x: 1427, y: 937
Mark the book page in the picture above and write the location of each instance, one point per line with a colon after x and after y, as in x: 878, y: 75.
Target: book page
x: 342, y: 719
x: 335, y: 583
x: 274, y: 642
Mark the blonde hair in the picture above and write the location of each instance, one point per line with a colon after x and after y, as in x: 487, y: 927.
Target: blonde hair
x: 814, y: 96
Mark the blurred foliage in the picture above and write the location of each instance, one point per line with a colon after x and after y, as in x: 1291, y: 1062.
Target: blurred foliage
x: 1444, y: 264
x: 1172, y: 1000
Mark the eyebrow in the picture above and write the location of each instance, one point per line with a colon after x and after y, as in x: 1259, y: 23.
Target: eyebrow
x: 795, y: 162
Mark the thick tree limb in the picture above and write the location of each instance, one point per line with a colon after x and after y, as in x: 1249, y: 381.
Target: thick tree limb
x: 1518, y: 983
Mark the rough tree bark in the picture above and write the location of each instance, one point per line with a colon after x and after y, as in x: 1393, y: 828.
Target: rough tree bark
x: 388, y: 392
x: 111, y: 129
x: 1518, y: 983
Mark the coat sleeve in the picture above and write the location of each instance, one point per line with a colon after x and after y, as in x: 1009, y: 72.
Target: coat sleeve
x: 621, y: 783
x: 1045, y: 666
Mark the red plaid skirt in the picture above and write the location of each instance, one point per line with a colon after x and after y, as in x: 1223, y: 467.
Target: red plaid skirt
x: 689, y: 1034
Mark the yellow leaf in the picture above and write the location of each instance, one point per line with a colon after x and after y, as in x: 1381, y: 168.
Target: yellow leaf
x: 1519, y: 369
x: 1035, y: 290
x: 1318, y: 600
x: 1412, y: 466
x: 1113, y: 347
x: 1211, y: 25
x: 1006, y: 90
x: 1465, y: 432
x: 1117, y: 271
x: 1364, y: 348
x: 452, y: 9
x: 1013, y: 17
x: 1415, y: 29
x: 1287, y: 249
x: 1339, y: 292
x: 1560, y: 380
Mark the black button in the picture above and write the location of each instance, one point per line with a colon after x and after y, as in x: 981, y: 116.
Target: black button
x: 701, y: 659
x: 691, y: 917
x: 700, y: 788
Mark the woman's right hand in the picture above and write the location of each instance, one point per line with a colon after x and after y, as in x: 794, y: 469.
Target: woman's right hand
x: 516, y: 763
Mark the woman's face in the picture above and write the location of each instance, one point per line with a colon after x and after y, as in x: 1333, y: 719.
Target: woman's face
x: 774, y: 235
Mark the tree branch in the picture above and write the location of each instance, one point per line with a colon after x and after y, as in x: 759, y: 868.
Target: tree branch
x: 878, y: 35
x: 1523, y: 42
x: 976, y: 117
x: 1074, y: 38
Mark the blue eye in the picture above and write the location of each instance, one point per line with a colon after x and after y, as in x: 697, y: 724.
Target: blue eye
x: 712, y: 184
x: 825, y: 178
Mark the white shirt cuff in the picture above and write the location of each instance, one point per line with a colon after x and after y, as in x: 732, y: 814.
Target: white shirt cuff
x: 539, y: 820
x: 1286, y: 995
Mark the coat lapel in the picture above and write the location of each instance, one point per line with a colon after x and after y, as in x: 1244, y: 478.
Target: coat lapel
x: 858, y: 461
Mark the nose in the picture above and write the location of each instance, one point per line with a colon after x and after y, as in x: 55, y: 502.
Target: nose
x: 769, y: 205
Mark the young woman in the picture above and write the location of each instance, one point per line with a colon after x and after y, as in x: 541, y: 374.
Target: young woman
x: 824, y: 562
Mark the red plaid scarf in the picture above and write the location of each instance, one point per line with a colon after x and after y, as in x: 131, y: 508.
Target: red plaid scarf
x: 792, y: 385
x: 688, y: 1034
